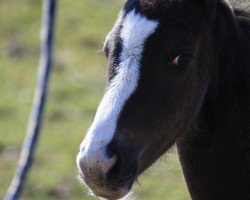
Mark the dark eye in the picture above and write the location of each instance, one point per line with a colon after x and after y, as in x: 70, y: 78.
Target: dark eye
x: 176, y: 61
x: 181, y: 61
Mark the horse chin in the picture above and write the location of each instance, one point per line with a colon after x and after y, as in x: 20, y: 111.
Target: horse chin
x: 115, y: 194
x: 110, y: 194
x: 106, y: 192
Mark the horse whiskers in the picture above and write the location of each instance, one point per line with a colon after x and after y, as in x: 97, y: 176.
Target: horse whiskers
x: 100, y: 51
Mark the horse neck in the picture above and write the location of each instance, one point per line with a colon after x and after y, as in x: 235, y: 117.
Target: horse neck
x: 214, y: 154
x: 228, y: 96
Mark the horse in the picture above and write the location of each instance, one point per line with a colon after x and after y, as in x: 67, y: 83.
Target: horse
x: 178, y: 73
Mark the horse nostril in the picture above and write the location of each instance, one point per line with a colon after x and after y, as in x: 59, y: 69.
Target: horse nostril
x: 100, y: 163
x: 107, y: 164
x: 114, y: 150
x: 111, y: 150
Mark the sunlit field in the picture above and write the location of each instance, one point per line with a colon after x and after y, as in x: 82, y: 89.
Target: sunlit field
x: 76, y: 87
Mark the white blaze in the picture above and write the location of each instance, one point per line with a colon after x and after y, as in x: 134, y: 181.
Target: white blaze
x: 135, y: 30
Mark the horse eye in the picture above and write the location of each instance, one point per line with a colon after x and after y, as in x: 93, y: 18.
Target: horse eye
x: 181, y: 61
x: 176, y: 61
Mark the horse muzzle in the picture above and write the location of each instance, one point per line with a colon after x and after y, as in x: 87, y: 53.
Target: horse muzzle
x: 95, y: 168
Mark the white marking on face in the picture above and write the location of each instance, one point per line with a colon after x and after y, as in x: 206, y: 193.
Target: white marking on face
x: 135, y: 30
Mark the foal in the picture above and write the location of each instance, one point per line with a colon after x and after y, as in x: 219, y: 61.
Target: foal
x: 179, y: 72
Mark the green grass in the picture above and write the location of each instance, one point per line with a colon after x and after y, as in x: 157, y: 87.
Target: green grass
x: 76, y: 87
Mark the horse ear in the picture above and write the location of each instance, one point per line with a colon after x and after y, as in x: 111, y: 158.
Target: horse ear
x: 210, y: 6
x: 209, y: 9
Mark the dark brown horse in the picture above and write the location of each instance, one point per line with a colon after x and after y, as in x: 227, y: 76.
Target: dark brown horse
x: 179, y: 72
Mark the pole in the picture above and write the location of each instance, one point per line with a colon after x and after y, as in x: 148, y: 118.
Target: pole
x: 36, y: 115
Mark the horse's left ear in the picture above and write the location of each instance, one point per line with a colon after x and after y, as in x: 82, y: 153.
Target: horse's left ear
x: 210, y: 6
x: 209, y: 9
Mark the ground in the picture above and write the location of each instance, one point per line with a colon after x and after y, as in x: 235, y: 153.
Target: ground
x: 76, y: 87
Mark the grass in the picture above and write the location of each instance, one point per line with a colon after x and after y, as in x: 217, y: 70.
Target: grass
x: 76, y: 87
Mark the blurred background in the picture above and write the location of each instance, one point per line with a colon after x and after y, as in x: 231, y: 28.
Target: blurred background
x: 76, y: 87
